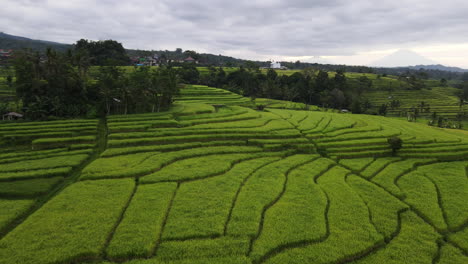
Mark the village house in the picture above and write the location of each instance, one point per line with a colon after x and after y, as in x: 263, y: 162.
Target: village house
x: 277, y: 66
x: 145, y: 61
x: 5, y: 55
x: 12, y: 116
x: 6, y: 52
x: 190, y: 60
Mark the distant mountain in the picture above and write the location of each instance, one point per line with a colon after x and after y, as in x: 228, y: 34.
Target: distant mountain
x: 438, y: 67
x: 403, y: 58
x: 15, y: 42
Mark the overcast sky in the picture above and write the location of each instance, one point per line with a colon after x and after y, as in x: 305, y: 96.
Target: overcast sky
x: 348, y: 32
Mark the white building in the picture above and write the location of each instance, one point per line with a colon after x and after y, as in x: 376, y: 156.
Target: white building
x: 275, y: 65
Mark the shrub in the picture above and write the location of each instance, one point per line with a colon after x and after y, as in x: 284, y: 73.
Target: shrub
x: 260, y: 107
x: 395, y: 144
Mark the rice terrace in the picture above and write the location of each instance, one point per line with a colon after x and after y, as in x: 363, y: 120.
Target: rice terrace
x: 233, y: 132
x: 199, y: 184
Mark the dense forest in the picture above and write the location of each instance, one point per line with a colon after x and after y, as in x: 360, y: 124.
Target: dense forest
x: 309, y: 86
x: 59, y: 85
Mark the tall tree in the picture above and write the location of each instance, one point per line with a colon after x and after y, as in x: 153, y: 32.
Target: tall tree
x: 110, y: 79
x: 322, y: 81
x: 365, y: 84
x: 52, y: 86
x: 103, y: 52
x: 340, y: 80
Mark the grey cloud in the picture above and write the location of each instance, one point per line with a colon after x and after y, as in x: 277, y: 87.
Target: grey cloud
x: 263, y: 27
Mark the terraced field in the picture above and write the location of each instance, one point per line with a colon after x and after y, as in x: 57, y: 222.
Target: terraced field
x: 442, y: 100
x: 200, y: 184
x: 209, y: 95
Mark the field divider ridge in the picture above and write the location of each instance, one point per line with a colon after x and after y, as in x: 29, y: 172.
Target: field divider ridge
x: 72, y: 178
x: 163, y: 225
x: 119, y: 220
x: 277, y: 198
x: 234, y: 200
x: 302, y: 243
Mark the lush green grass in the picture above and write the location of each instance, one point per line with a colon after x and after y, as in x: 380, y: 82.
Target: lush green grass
x: 449, y: 179
x: 442, y: 100
x: 216, y: 250
x: 35, y: 155
x: 137, y: 234
x: 451, y: 255
x: 356, y: 165
x: 50, y: 134
x: 45, y: 163
x: 28, y: 188
x: 349, y: 226
x: 299, y: 215
x: 195, y: 108
x: 383, y: 207
x: 389, y: 176
x: 171, y: 147
x: 73, y: 226
x: 414, y: 243
x: 194, y: 138
x: 232, y: 185
x: 460, y: 239
x: 12, y: 209
x: 197, y: 168
x: 201, y: 208
x: 45, y: 143
x: 208, y: 95
x: 378, y: 165
x: 36, y: 173
x: 147, y: 163
x: 260, y: 190
x: 424, y: 198
x: 192, y: 249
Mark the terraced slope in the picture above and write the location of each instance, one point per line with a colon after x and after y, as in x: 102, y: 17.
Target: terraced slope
x: 209, y: 95
x: 233, y: 185
x: 442, y: 100
x: 39, y: 159
x: 216, y: 96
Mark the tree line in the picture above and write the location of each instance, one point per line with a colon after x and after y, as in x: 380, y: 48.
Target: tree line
x: 103, y: 52
x: 59, y: 85
x: 311, y: 87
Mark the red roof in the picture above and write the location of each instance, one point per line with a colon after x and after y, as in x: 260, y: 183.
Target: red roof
x: 189, y: 59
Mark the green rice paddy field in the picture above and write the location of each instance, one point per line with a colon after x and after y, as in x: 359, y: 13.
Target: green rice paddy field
x: 228, y: 184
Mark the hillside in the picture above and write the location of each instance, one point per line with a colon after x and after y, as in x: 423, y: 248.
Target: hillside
x: 438, y: 67
x: 15, y: 42
x: 200, y: 184
x: 434, y: 98
x: 8, y: 41
x: 403, y: 58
